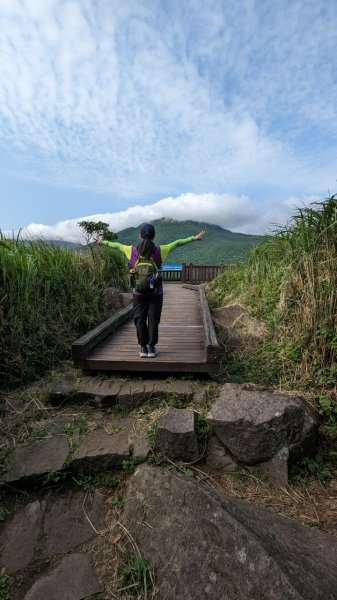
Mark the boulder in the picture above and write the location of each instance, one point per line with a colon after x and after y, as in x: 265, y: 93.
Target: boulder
x: 203, y: 544
x: 175, y: 435
x: 31, y: 462
x: 72, y: 579
x: 254, y: 424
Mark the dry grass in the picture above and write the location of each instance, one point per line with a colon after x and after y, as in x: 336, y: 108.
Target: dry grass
x: 309, y: 502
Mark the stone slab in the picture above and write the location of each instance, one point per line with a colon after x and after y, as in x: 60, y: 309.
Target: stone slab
x: 19, y: 536
x: 134, y: 393
x: 27, y: 463
x: 67, y: 522
x: 100, y: 450
x: 72, y: 579
x: 103, y: 392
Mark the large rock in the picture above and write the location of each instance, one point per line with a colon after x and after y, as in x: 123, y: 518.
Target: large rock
x: 28, y: 463
x: 175, y: 435
x: 254, y: 425
x: 72, y: 579
x: 19, y: 536
x: 205, y: 545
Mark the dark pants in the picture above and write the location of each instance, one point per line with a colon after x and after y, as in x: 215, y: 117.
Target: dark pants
x: 146, y: 314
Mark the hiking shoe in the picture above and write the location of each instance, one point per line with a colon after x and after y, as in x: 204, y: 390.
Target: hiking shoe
x: 152, y: 352
x: 143, y: 352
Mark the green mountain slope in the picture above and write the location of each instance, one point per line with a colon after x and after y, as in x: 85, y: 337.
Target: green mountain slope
x: 218, y: 246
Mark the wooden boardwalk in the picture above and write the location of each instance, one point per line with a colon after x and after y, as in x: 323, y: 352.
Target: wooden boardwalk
x: 187, y: 341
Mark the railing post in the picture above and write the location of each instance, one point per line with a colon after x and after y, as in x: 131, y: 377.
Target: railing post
x: 183, y: 273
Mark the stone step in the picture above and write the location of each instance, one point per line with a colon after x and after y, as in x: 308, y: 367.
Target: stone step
x: 50, y: 526
x: 72, y: 578
x: 124, y: 394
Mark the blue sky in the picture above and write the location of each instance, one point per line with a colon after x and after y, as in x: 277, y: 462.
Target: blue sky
x: 217, y: 110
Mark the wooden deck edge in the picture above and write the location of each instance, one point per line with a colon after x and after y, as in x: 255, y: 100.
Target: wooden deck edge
x: 192, y: 286
x: 150, y: 366
x: 81, y: 347
x: 212, y: 345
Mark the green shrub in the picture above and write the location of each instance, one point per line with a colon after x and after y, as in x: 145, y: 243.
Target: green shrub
x: 49, y: 296
x: 290, y: 282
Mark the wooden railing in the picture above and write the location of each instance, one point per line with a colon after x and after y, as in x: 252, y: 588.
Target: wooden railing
x: 193, y: 274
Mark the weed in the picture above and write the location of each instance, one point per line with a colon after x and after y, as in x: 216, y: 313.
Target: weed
x: 157, y: 458
x: 137, y: 576
x: 317, y: 467
x: 327, y: 407
x: 202, y: 427
x: 118, y: 503
x: 54, y: 477
x: 179, y: 466
x: 5, y: 586
x: 3, y: 513
x: 128, y: 466
x: 151, y: 434
x: 90, y: 481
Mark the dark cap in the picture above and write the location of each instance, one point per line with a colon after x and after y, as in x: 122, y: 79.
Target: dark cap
x: 147, y: 231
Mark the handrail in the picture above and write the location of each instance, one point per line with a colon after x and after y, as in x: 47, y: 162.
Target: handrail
x: 194, y: 274
x: 81, y: 348
x: 212, y: 345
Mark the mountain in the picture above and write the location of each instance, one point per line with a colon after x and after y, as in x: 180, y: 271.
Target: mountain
x: 218, y: 246
x: 69, y: 245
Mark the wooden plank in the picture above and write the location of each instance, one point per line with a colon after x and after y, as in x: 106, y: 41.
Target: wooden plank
x: 82, y: 346
x: 183, y: 344
x: 212, y: 346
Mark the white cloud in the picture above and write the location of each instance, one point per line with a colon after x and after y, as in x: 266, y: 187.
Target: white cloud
x: 237, y: 213
x: 132, y: 99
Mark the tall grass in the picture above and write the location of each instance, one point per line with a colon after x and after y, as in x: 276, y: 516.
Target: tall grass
x: 48, y: 297
x: 290, y: 282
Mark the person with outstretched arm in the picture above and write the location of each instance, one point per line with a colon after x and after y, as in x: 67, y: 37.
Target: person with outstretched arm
x: 147, y: 303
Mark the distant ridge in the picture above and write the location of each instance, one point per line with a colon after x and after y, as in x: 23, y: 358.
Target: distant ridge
x: 219, y: 245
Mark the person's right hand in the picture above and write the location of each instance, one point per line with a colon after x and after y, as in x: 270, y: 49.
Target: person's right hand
x: 99, y: 241
x: 199, y: 236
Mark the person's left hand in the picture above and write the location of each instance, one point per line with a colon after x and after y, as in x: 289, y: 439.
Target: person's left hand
x: 99, y: 241
x: 199, y: 236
